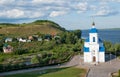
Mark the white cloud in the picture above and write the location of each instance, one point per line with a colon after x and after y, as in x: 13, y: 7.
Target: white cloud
x: 57, y: 2
x: 115, y: 0
x: 35, y: 14
x: 43, y: 1
x: 82, y: 6
x: 105, y: 13
x: 103, y: 9
x: 6, y: 1
x: 28, y: 9
x: 102, y: 13
x: 93, y: 7
x: 80, y: 12
x: 14, y: 13
x: 57, y: 13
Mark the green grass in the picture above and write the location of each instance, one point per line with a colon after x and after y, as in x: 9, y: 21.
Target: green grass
x: 61, y: 72
x: 116, y: 74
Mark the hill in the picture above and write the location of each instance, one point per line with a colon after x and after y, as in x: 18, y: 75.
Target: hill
x: 39, y: 26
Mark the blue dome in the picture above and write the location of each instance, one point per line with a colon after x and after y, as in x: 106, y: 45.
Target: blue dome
x: 93, y: 30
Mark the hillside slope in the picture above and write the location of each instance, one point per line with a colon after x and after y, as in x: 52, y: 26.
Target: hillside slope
x: 39, y: 26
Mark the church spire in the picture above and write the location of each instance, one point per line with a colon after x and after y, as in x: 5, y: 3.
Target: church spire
x: 93, y: 24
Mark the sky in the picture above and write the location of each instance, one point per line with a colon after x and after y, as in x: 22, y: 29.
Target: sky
x: 70, y: 14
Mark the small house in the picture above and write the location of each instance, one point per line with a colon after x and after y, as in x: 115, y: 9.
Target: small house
x: 39, y: 39
x: 47, y: 37
x: 30, y: 38
x: 7, y: 48
x: 8, y: 40
x: 22, y: 40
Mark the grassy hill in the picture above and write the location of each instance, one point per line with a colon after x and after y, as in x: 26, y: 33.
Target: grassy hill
x: 39, y: 26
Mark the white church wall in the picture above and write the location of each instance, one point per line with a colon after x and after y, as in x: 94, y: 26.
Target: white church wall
x: 102, y: 57
x: 86, y: 44
x: 94, y: 47
x: 87, y: 57
x: 97, y: 56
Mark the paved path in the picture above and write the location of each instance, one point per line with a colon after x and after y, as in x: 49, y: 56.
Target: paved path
x: 100, y: 70
x: 105, y: 69
x: 73, y: 62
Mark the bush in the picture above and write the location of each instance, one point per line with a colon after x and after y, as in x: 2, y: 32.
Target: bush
x: 1, y: 67
x: 20, y: 51
x: 35, y: 59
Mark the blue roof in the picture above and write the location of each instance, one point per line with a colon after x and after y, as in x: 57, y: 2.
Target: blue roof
x: 5, y: 45
x: 93, y: 30
x: 102, y: 49
x: 100, y: 40
x: 86, y: 49
x: 87, y: 40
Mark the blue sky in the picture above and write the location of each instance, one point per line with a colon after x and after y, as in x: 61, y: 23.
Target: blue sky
x: 70, y: 14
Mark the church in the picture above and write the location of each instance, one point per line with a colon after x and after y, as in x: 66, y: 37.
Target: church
x: 94, y: 50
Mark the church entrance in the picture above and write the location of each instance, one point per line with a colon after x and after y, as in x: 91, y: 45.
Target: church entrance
x: 94, y: 59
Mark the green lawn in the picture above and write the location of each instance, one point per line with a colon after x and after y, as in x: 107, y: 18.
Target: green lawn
x: 61, y: 72
x: 116, y: 74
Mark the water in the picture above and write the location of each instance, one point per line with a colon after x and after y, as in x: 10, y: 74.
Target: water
x: 106, y: 35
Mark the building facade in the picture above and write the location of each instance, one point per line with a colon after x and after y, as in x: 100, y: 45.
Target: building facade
x: 94, y: 50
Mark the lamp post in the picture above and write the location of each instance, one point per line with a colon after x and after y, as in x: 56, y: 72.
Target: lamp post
x: 110, y: 57
x: 115, y: 55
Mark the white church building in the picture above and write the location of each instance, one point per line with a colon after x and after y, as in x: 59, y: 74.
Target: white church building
x: 94, y: 50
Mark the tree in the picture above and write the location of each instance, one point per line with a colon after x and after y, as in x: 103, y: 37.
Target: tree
x: 70, y: 38
x: 117, y: 47
x: 108, y: 46
x: 77, y: 33
x: 62, y: 37
x: 35, y: 59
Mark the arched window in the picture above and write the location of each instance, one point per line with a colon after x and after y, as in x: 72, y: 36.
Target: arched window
x: 93, y: 39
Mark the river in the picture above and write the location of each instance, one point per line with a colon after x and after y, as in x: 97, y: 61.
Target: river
x: 106, y: 35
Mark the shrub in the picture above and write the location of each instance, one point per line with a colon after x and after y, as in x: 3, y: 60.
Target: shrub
x: 20, y: 51
x: 35, y: 59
